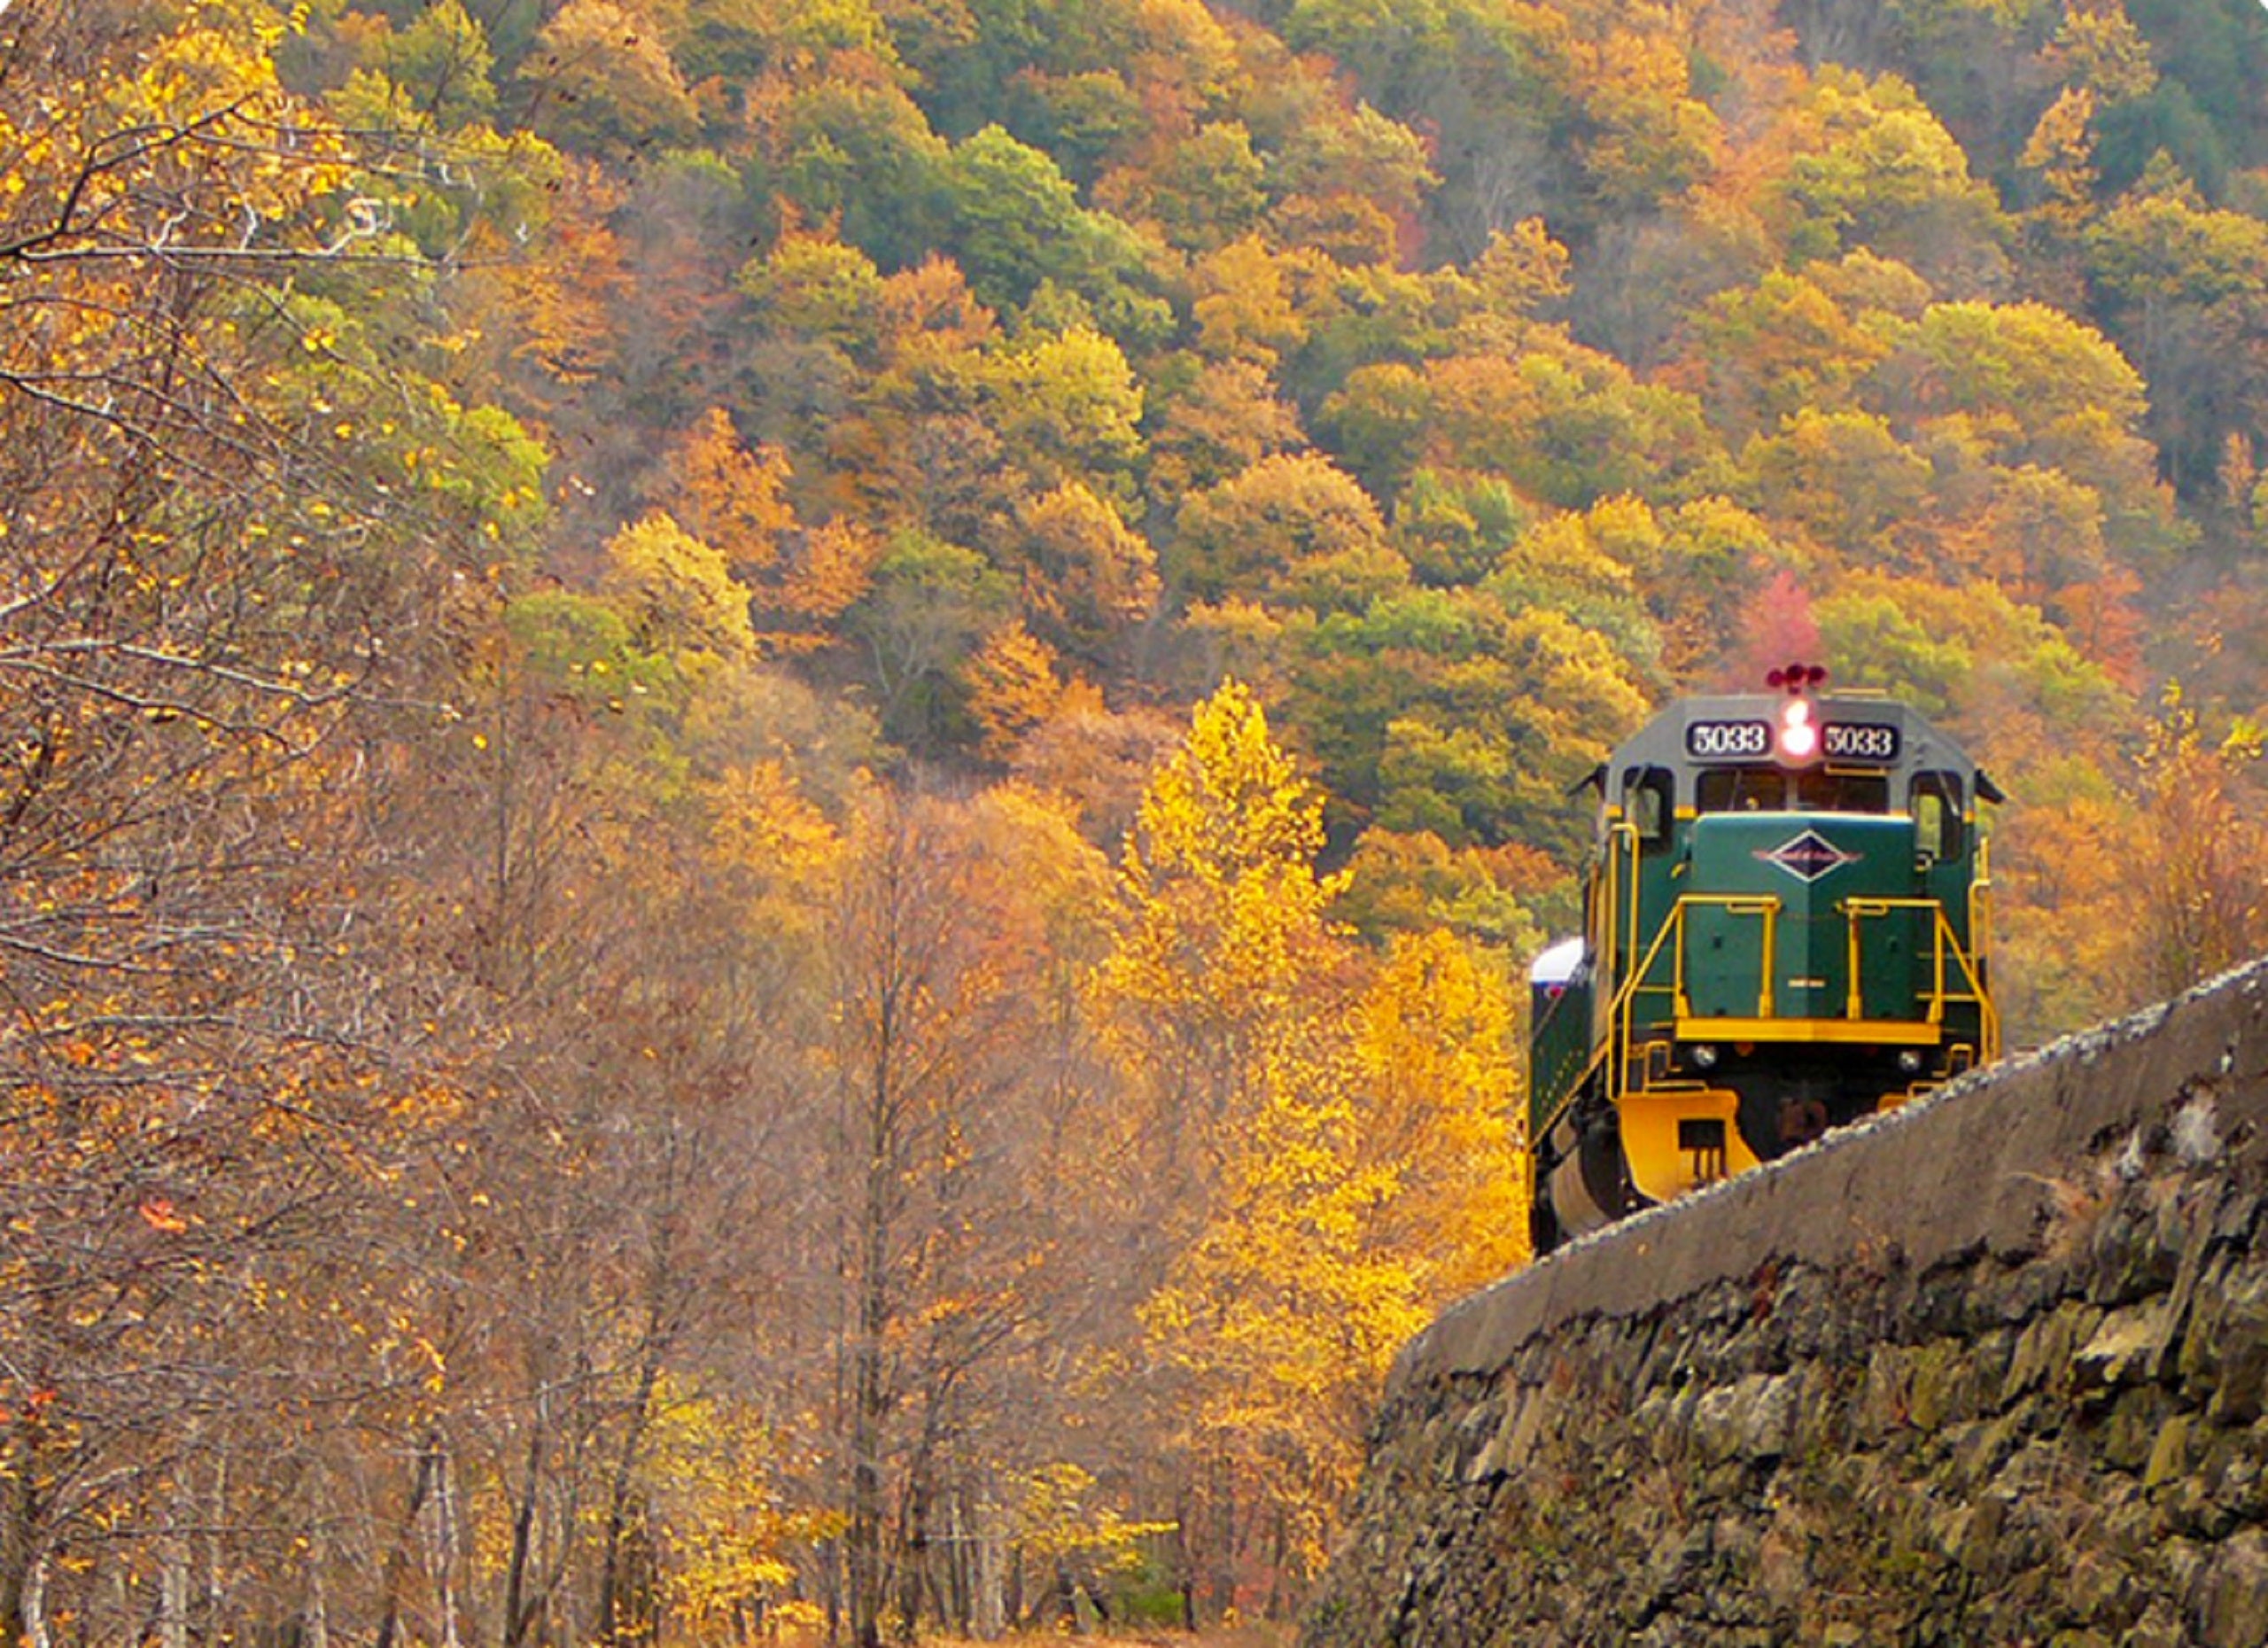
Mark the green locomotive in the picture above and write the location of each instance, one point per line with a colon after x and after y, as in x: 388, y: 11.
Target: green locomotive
x: 1788, y: 915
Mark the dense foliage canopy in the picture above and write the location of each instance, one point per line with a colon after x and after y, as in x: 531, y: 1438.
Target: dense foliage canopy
x: 772, y: 771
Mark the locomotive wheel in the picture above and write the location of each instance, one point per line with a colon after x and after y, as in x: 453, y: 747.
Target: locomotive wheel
x: 1542, y: 1224
x: 1607, y: 1170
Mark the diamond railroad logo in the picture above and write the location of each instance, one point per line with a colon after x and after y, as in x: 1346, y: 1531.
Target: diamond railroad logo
x: 1809, y: 856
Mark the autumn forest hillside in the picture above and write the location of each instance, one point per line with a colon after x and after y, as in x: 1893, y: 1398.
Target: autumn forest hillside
x: 773, y: 772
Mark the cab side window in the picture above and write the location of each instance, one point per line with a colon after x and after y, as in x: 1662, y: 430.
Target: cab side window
x: 1938, y: 832
x: 1646, y: 803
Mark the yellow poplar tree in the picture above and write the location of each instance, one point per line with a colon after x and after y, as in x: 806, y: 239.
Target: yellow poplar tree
x: 1283, y: 1316
x: 1224, y: 931
x: 708, y: 1481
x: 2062, y: 150
x: 774, y: 848
x: 733, y: 498
x: 2201, y: 907
x: 1436, y: 1050
x: 1346, y: 1141
x: 1013, y: 688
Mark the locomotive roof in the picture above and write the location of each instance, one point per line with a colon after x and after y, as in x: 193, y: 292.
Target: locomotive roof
x: 1683, y: 736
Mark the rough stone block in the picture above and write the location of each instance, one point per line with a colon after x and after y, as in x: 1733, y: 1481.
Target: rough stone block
x: 2229, y: 1606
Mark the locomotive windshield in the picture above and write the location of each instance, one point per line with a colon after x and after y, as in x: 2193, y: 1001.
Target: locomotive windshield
x: 1769, y: 789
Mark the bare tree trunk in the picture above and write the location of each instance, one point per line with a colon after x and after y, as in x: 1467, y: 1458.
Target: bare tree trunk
x: 870, y: 1395
x: 173, y: 1592
x: 398, y: 1557
x: 1185, y: 1549
x: 518, y: 1611
x: 125, y: 1617
x: 869, y: 1411
x: 961, y: 1565
x: 831, y: 1585
x: 914, y: 1576
x: 216, y: 1577
x: 442, y: 1547
x: 1222, y: 1555
x: 615, y: 1620
x: 987, y: 1610
x: 318, y: 1610
x: 1184, y: 1555
x: 35, y: 1604
x: 660, y: 1333
x: 1279, y: 1552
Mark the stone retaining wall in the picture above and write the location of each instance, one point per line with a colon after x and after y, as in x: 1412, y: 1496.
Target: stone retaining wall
x: 1991, y: 1371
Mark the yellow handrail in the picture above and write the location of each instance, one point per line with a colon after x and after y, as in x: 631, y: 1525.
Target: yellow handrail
x: 1629, y: 834
x: 1943, y: 942
x: 1621, y: 1013
x: 1613, y: 1049
x: 1613, y: 895
x: 1980, y: 903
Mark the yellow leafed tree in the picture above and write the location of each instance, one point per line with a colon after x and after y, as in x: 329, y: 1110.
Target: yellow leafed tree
x: 1280, y: 1320
x: 1224, y: 923
x: 678, y: 592
x: 1435, y: 1044
x: 1013, y: 688
x: 1332, y: 1139
x: 722, y: 1528
x: 2199, y: 904
x: 733, y: 498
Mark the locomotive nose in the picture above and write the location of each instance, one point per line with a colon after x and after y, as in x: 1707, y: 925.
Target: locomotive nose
x: 1777, y: 945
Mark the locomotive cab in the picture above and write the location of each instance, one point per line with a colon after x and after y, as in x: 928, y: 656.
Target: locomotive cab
x: 1788, y: 915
